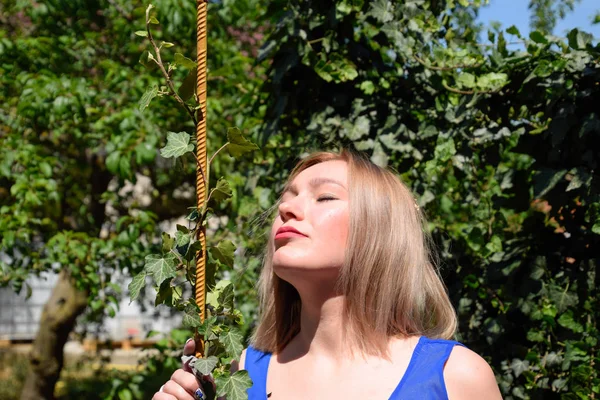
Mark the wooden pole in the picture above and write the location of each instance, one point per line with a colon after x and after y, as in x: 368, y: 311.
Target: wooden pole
x: 202, y: 173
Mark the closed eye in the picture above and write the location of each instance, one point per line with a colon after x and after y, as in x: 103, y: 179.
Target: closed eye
x: 326, y: 198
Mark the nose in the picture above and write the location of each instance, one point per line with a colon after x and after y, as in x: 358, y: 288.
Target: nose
x: 291, y: 209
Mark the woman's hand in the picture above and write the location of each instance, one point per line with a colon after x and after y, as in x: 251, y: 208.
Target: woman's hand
x: 183, y: 384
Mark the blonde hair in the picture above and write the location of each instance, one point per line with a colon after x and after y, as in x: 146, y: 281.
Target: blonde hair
x: 390, y: 282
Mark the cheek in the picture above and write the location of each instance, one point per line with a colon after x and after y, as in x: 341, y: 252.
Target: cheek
x: 334, y: 225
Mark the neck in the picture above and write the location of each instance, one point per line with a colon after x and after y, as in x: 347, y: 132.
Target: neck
x: 321, y: 324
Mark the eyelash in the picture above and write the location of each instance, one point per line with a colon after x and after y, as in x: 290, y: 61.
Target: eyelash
x: 326, y: 198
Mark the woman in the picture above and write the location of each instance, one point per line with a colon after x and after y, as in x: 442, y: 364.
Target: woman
x: 351, y: 304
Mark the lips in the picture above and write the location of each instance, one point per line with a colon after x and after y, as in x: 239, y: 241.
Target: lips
x: 286, y: 232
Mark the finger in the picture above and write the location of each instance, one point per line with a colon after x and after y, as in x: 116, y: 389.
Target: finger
x: 189, y: 347
x: 174, y: 389
x: 163, y: 396
x: 186, y: 380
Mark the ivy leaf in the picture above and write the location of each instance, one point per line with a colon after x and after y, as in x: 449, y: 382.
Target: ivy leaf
x: 382, y: 10
x: 181, y: 238
x: 545, y: 180
x: 206, y: 328
x: 185, y: 62
x: 221, y: 192
x: 165, y: 293
x: 238, y: 144
x: 138, y: 282
x: 147, y: 97
x: 167, y: 242
x: 204, y: 366
x: 235, y: 386
x: 160, y: 267
x: 177, y: 145
x: 192, y: 249
x: 191, y: 319
x: 224, y: 252
x: 232, y: 341
x: 519, y: 366
x: 225, y: 298
x: 188, y: 86
x: 566, y: 320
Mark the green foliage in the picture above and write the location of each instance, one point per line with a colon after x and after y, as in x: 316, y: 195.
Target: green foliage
x: 74, y: 142
x: 500, y: 147
x: 222, y: 342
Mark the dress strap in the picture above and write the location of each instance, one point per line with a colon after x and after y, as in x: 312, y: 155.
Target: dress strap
x: 424, y: 377
x: 257, y: 365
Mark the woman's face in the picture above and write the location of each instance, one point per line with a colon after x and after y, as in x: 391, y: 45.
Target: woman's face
x: 311, y: 229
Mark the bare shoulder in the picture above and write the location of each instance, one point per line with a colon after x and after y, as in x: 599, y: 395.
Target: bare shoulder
x: 468, y: 376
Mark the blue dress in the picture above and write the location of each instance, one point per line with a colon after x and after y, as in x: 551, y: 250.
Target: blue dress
x: 423, y: 379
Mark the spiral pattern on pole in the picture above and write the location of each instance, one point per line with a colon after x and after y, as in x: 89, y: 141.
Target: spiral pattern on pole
x: 201, y: 185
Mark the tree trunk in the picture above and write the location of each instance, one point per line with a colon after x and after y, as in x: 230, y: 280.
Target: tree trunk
x: 58, y: 319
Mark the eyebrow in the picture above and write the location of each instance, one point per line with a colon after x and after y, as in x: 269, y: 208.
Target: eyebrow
x: 314, y: 182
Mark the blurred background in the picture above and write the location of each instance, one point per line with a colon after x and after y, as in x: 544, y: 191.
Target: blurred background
x: 487, y: 109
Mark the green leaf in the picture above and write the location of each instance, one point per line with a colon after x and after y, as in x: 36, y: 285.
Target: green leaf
x: 166, y: 44
x: 192, y: 249
x: 367, y: 87
x: 185, y: 62
x: 138, y: 282
x: 578, y: 39
x: 232, y: 341
x: 112, y: 162
x: 513, y: 30
x: 538, y: 37
x: 147, y: 97
x: 466, y: 80
x: 206, y: 328
x: 225, y: 298
x: 205, y: 366
x: 519, y: 366
x: 546, y: 179
x: 177, y: 145
x: 567, y: 320
x: 46, y: 169
x: 224, y: 252
x: 142, y: 33
x: 167, y: 242
x: 191, y: 319
x: 160, y: 267
x: 445, y: 149
x: 238, y: 144
x: 235, y: 386
x: 221, y: 192
x: 153, y: 20
x: 188, y: 86
x: 382, y: 10
x: 182, y: 238
x: 165, y: 293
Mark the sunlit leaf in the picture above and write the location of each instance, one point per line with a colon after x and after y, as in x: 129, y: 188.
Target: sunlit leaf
x: 178, y: 144
x: 238, y: 144
x: 235, y: 386
x: 147, y: 97
x: 160, y: 267
x: 134, y: 287
x: 224, y: 252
